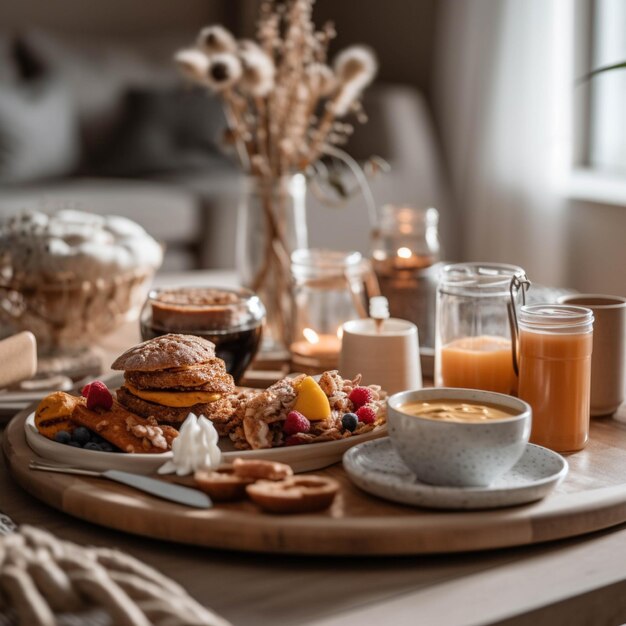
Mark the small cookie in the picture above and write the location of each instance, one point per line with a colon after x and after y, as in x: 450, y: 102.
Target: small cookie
x: 222, y: 485
x: 261, y: 470
x: 54, y: 413
x: 297, y: 494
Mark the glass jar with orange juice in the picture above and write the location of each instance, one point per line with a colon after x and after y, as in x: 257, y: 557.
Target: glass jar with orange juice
x: 473, y: 346
x: 555, y: 344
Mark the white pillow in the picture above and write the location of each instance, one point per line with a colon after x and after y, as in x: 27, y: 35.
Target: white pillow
x: 39, y: 136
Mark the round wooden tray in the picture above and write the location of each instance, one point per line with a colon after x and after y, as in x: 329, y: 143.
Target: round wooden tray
x: 592, y: 497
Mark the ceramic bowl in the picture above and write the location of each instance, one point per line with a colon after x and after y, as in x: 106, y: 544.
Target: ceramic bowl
x: 460, y: 454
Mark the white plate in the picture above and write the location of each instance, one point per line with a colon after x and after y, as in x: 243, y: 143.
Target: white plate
x: 376, y: 468
x: 303, y: 458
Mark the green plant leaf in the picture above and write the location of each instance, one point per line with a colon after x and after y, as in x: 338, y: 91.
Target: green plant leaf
x: 601, y: 70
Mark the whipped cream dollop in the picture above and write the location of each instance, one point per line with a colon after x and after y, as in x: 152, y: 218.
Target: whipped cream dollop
x: 75, y: 245
x: 195, y: 448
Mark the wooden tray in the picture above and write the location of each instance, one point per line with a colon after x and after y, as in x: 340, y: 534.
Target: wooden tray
x: 591, y: 498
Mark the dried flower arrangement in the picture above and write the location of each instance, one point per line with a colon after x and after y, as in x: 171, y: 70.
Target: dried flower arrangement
x: 284, y: 103
x: 285, y: 108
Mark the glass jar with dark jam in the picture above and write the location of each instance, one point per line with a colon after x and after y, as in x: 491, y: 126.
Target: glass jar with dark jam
x: 231, y: 318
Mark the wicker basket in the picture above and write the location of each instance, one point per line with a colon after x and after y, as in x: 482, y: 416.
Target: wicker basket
x: 69, y: 315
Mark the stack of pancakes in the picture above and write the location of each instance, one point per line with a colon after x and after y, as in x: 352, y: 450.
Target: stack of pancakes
x: 173, y: 375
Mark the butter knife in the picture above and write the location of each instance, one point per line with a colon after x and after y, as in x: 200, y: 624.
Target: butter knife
x: 158, y: 488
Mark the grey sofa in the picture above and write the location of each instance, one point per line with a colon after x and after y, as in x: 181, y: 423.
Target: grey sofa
x: 188, y: 198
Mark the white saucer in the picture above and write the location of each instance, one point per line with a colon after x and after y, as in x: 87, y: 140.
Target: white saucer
x: 304, y: 458
x: 376, y: 468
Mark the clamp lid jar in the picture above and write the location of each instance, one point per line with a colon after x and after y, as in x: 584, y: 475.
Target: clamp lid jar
x: 473, y: 346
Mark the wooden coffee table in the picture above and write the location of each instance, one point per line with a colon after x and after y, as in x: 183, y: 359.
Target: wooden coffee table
x: 578, y: 581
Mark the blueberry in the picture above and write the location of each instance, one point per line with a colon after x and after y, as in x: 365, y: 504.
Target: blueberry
x: 350, y: 421
x: 74, y: 444
x: 63, y: 436
x: 81, y: 435
x: 91, y: 445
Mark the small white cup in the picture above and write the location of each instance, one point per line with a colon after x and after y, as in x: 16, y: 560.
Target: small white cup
x: 389, y: 358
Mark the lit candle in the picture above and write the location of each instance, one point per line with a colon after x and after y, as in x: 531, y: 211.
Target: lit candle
x: 405, y: 259
x: 316, y: 351
x: 322, y: 346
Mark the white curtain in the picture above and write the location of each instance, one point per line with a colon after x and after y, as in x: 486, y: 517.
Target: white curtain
x: 498, y: 96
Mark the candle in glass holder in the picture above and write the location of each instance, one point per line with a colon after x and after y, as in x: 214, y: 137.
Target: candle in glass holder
x: 404, y: 259
x: 405, y: 251
x: 329, y: 287
x: 315, y: 351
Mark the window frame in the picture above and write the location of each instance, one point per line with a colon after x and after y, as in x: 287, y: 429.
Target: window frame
x: 581, y: 181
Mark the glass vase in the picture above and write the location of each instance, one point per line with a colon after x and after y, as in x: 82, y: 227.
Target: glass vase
x: 271, y: 225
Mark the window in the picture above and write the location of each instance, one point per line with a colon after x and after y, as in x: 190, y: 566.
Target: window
x: 594, y: 33
x: 607, y: 125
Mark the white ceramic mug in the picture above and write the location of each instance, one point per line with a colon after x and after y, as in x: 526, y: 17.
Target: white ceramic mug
x: 389, y: 358
x: 608, y: 359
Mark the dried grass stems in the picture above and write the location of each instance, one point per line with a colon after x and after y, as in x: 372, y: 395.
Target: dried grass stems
x: 284, y: 104
x: 274, y: 88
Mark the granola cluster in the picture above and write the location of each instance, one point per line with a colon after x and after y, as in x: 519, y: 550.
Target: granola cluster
x: 259, y: 417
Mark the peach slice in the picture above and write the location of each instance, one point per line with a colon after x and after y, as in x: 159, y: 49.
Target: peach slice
x: 312, y: 401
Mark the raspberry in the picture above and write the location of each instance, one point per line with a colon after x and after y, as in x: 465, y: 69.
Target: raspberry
x: 97, y: 395
x: 350, y: 421
x: 293, y: 440
x: 366, y: 414
x: 360, y: 396
x: 296, y: 423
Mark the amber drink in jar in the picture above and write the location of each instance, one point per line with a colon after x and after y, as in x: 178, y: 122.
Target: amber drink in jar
x: 231, y: 318
x: 555, y: 345
x: 473, y: 348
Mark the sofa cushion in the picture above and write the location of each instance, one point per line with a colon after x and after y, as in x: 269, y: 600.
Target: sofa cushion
x: 38, y: 125
x: 97, y: 72
x: 161, y: 130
